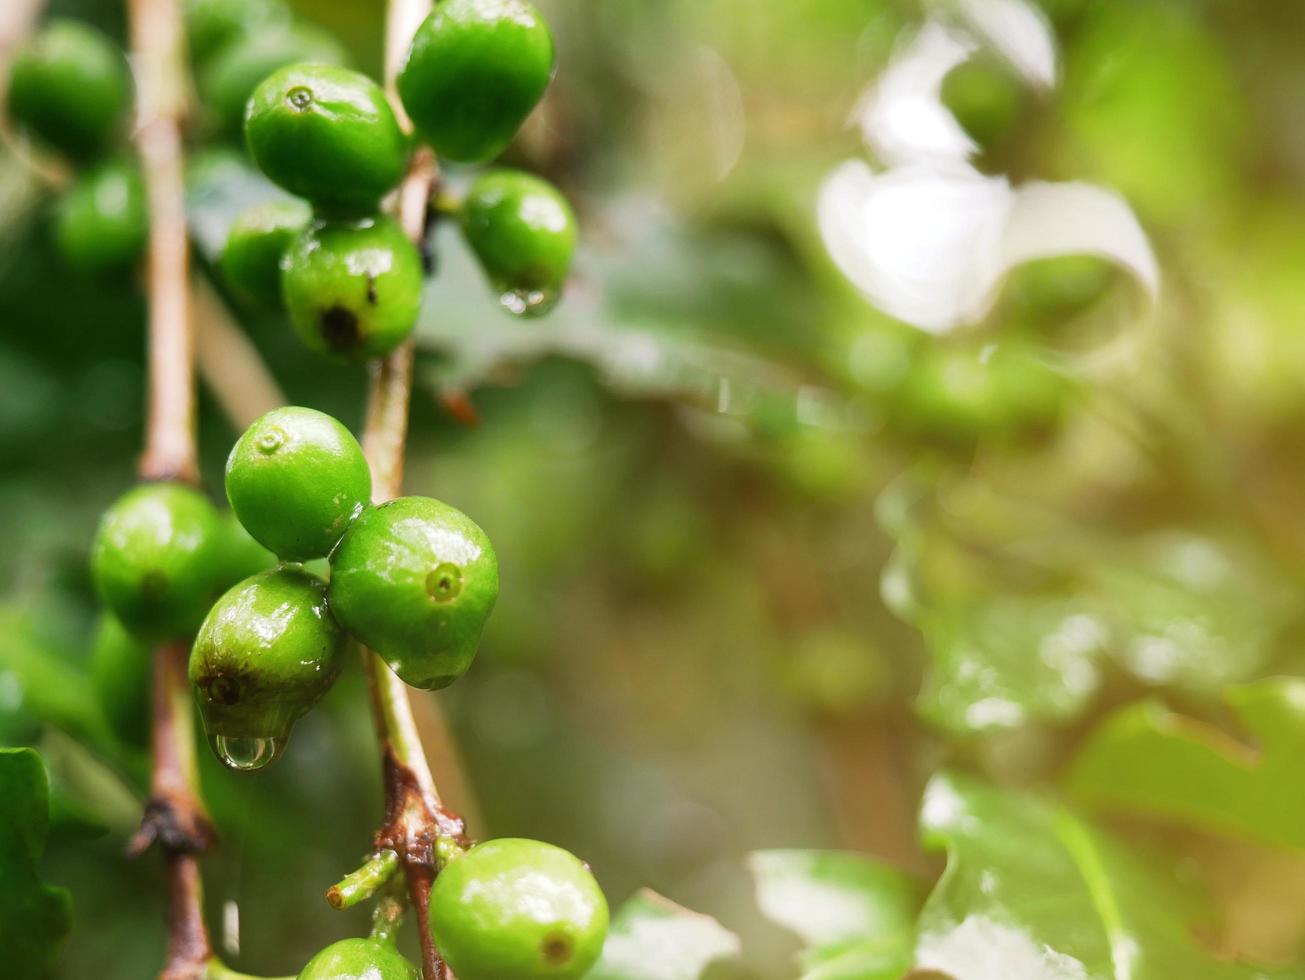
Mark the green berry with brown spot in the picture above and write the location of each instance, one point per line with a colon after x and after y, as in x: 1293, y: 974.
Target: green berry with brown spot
x: 515, y: 909
x: 353, y: 288
x: 266, y: 653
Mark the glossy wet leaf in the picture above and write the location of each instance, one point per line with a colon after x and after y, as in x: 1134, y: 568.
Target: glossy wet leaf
x: 1193, y: 610
x: 1000, y: 663
x: 886, y: 959
x: 652, y: 938
x: 1032, y: 891
x: 34, y: 918
x: 848, y: 910
x: 1180, y: 608
x: 1147, y: 759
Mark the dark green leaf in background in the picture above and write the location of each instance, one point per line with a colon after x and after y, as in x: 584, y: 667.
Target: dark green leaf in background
x: 34, y: 918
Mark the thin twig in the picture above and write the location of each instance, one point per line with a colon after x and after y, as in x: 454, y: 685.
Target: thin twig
x: 229, y: 363
x: 174, y: 818
x: 158, y: 44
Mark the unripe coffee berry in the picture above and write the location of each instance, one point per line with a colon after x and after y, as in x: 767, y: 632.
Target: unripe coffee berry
x: 326, y: 134
x: 229, y: 79
x: 101, y: 224
x: 154, y: 557
x: 69, y: 88
x: 516, y: 909
x: 256, y: 244
x: 475, y: 70
x: 296, y: 478
x: 415, y: 579
x: 359, y: 959
x: 523, y: 231
x: 213, y: 24
x: 353, y: 288
x: 121, y: 674
x: 266, y: 653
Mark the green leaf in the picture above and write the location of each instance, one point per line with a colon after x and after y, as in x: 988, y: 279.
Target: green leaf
x: 52, y: 689
x: 844, y: 907
x: 1147, y: 759
x: 885, y: 959
x: 34, y: 918
x: 1033, y: 892
x: 652, y: 938
x: 1194, y: 611
x: 1179, y: 609
x: 1000, y: 663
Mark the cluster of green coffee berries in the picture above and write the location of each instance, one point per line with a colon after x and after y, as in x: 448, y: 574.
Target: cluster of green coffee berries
x: 413, y: 579
x: 70, y: 93
x: 508, y: 909
x: 349, y: 277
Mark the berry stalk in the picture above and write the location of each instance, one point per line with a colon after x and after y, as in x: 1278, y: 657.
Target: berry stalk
x: 174, y: 818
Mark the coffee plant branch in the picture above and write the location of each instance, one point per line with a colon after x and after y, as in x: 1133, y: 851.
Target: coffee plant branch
x: 174, y: 818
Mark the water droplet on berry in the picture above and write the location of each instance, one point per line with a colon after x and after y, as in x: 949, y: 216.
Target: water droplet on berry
x: 528, y: 302
x: 246, y: 754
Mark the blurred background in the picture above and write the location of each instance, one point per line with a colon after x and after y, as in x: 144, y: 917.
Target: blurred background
x: 770, y: 555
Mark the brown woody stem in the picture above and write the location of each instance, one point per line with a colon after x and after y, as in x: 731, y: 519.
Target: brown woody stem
x: 174, y: 817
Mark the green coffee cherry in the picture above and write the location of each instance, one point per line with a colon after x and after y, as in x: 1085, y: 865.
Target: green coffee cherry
x: 69, y: 88
x: 121, y: 676
x: 213, y: 24
x: 326, y: 134
x: 258, y: 240
x: 475, y: 70
x: 523, y: 231
x: 958, y: 394
x: 517, y: 909
x: 267, y: 652
x: 1053, y: 291
x: 230, y: 78
x: 415, y: 579
x: 359, y: 959
x: 353, y: 288
x: 154, y: 557
x: 101, y: 222
x: 296, y: 478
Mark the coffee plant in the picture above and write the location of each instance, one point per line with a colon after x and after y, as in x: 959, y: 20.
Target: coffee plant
x: 939, y: 541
